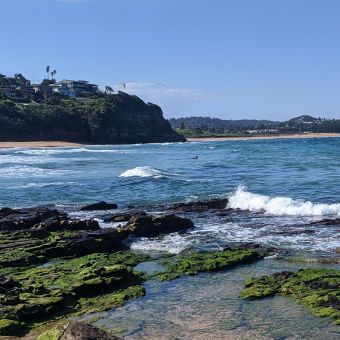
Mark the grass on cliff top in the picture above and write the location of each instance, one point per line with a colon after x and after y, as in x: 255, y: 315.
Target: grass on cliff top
x: 194, y: 263
x: 317, y: 289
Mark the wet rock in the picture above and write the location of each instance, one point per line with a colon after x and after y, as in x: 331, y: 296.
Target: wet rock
x: 27, y: 218
x: 77, y: 330
x: 194, y: 262
x: 295, y: 232
x: 217, y: 204
x: 123, y: 217
x: 81, y: 285
x: 317, y: 289
x: 141, y: 225
x: 99, y: 206
x: 327, y: 221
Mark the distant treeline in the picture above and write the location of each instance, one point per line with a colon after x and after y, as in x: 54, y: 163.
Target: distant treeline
x: 252, y: 126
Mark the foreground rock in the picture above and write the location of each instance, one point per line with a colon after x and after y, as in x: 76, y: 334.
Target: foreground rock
x: 75, y: 330
x: 99, y: 206
x: 53, y: 266
x: 142, y: 225
x: 317, y: 289
x: 83, y: 331
x: 88, y: 284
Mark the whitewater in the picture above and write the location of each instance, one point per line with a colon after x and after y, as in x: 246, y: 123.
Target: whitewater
x: 275, y: 187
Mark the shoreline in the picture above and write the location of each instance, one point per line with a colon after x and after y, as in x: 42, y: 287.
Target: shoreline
x: 291, y: 136
x: 51, y: 144
x: 37, y: 144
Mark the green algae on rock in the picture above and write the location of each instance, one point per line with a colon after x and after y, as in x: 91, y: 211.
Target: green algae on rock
x: 195, y: 262
x: 317, y: 289
x: 74, y: 286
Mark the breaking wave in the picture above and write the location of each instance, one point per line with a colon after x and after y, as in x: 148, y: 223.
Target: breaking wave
x: 279, y: 206
x: 144, y: 171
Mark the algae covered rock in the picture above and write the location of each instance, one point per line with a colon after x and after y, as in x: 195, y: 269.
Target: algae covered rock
x: 317, y: 289
x: 197, y: 262
x: 95, y: 282
x: 83, y: 331
x: 76, y: 330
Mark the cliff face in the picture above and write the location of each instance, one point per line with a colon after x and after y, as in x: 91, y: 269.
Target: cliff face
x: 107, y: 119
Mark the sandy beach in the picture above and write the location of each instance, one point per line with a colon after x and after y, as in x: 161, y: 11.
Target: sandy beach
x: 37, y: 144
x: 304, y: 135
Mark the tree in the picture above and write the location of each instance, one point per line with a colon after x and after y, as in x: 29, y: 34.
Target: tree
x: 48, y: 72
x: 182, y: 126
x: 53, y: 73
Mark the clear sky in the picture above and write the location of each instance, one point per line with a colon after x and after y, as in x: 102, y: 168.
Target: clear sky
x: 232, y: 59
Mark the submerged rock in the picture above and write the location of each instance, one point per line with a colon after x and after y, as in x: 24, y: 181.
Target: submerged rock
x: 317, y: 289
x: 99, y: 206
x: 142, y: 225
x: 77, y: 330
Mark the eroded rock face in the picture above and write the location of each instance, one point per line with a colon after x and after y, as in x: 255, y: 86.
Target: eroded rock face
x: 150, y: 226
x: 99, y: 206
x: 77, y: 330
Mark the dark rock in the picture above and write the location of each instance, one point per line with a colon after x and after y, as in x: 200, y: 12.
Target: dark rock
x: 150, y: 226
x: 42, y: 219
x: 218, y: 204
x: 27, y: 218
x: 123, y: 217
x: 56, y: 225
x: 99, y: 206
x: 77, y: 330
x: 295, y: 232
x: 327, y: 221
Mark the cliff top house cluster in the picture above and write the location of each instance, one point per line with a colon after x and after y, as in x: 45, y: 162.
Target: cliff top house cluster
x: 18, y: 87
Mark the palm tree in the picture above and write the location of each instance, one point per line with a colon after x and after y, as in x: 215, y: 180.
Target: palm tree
x: 48, y: 72
x: 53, y: 73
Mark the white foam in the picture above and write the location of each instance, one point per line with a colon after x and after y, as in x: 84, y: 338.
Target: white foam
x: 143, y: 171
x: 279, y: 206
x: 24, y: 171
x: 173, y: 244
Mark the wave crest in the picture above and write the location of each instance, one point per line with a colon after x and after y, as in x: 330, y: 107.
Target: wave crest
x: 279, y: 206
x: 143, y: 171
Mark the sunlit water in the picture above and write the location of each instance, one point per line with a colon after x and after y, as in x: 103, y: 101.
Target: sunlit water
x: 277, y: 187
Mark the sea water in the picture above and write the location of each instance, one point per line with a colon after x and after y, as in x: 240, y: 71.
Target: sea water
x: 277, y: 188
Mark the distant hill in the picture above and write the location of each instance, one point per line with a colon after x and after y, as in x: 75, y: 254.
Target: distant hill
x: 208, y: 122
x: 204, y: 126
x: 100, y: 119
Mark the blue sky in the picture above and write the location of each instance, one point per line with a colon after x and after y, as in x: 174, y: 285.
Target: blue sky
x: 233, y: 59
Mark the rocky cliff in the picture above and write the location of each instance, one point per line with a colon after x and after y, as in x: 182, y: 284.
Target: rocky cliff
x: 103, y: 119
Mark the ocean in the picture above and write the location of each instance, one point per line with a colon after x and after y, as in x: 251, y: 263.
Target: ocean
x: 277, y: 188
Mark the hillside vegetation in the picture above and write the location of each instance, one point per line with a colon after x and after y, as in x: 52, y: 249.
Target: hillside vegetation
x: 99, y: 119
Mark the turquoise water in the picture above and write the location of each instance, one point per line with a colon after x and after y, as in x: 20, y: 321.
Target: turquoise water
x: 276, y: 183
x: 307, y: 169
x: 275, y: 188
